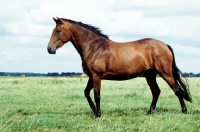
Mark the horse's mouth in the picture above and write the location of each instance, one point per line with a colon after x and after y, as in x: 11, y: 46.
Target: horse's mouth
x: 51, y: 51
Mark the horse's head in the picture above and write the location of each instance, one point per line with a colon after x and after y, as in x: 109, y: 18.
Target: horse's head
x: 60, y: 35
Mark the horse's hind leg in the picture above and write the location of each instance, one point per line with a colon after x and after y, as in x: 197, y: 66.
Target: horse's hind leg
x: 150, y: 76
x: 171, y: 82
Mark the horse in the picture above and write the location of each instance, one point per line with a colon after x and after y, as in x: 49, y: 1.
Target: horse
x: 103, y: 58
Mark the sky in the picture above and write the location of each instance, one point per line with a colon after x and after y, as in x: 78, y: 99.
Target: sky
x: 26, y: 27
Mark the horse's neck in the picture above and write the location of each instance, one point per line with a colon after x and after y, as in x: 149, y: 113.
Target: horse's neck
x: 77, y: 46
x: 81, y: 39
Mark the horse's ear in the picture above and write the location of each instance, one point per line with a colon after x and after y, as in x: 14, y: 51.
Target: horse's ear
x: 55, y: 19
x: 58, y: 20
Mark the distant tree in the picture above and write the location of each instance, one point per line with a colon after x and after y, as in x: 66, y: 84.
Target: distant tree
x: 70, y: 74
x: 64, y: 74
x: 52, y: 74
x: 186, y: 74
x: 2, y: 73
x: 191, y: 74
x: 197, y: 75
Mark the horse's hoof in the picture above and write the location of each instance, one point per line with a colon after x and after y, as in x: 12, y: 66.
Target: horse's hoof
x: 97, y: 115
x: 149, y: 112
x: 184, y: 111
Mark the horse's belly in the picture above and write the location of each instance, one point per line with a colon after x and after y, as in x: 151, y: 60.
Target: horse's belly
x: 124, y: 72
x: 115, y: 76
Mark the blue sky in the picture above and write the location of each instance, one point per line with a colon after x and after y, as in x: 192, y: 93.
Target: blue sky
x: 26, y: 27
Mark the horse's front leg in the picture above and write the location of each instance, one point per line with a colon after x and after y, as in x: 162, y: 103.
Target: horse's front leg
x: 97, y: 85
x: 87, y: 95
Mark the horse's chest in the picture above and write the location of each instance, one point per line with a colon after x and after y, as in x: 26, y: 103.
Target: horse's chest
x: 97, y: 67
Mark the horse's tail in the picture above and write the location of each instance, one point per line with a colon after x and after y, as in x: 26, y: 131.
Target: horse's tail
x: 183, y: 88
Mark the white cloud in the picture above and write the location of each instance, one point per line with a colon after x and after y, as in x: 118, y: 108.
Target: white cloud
x: 26, y: 27
x: 188, y: 51
x: 46, y: 11
x: 160, y: 8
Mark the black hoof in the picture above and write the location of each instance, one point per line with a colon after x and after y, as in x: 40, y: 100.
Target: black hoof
x: 150, y: 112
x: 97, y: 115
x: 184, y: 111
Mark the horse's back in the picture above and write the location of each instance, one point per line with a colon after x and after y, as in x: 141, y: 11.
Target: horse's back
x: 143, y: 49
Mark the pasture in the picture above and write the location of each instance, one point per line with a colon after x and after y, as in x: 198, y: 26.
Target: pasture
x: 58, y: 105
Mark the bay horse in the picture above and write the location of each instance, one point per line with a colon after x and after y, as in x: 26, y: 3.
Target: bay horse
x: 103, y: 58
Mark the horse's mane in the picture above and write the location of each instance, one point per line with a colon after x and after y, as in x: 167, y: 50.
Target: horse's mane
x: 95, y: 30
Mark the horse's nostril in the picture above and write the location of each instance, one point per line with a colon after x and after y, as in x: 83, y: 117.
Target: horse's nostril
x: 49, y: 50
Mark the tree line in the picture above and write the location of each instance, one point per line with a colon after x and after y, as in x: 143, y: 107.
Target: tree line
x: 29, y: 74
x: 66, y: 74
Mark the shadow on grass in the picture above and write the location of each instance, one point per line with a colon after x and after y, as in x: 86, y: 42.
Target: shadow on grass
x: 117, y: 111
x: 24, y: 112
x: 143, y: 111
x: 176, y: 111
x: 139, y: 111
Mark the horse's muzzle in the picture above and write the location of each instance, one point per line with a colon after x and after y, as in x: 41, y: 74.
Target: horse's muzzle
x: 51, y: 51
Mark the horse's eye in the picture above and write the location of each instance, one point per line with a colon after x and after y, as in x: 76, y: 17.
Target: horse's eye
x: 58, y: 31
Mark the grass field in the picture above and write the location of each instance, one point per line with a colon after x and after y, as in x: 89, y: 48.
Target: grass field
x: 58, y: 105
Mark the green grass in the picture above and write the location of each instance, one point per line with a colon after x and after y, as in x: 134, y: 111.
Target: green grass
x: 58, y: 105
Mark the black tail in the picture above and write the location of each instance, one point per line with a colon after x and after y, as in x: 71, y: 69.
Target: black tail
x: 183, y: 87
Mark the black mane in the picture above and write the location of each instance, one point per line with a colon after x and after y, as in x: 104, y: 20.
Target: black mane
x: 95, y: 30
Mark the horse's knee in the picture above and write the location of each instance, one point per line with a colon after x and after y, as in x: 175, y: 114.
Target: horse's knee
x: 97, y: 99
x: 86, y: 93
x: 178, y: 93
x: 158, y: 92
